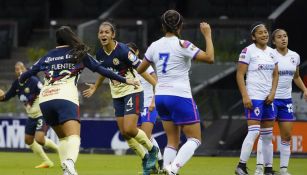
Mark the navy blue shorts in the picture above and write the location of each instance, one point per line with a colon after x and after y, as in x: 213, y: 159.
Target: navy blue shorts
x: 59, y: 111
x: 129, y: 104
x: 35, y: 124
x: 177, y: 109
x: 148, y: 116
x: 260, y: 111
x: 284, y: 109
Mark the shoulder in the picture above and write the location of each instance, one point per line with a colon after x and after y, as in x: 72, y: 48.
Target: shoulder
x: 248, y: 49
x: 291, y: 52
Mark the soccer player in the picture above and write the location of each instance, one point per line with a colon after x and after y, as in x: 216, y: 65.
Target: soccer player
x: 58, y: 99
x: 288, y: 65
x: 174, y: 102
x: 127, y: 100
x: 148, y: 117
x: 35, y: 127
x: 257, y: 61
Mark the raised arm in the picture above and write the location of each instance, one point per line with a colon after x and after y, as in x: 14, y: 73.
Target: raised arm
x: 207, y: 56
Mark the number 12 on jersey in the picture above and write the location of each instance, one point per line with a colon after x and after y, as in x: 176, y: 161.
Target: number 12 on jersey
x: 164, y: 57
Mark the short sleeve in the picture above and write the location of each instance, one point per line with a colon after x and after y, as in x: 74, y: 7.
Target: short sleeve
x: 149, y: 54
x: 150, y: 70
x: 189, y: 49
x: 298, y: 60
x: 244, y: 56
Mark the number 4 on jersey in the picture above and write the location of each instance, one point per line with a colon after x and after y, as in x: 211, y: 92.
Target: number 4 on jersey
x: 164, y: 57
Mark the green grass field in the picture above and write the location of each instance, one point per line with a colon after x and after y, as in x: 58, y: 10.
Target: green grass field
x: 100, y: 164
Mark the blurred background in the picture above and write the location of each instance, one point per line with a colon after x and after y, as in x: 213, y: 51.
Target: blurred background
x: 27, y: 32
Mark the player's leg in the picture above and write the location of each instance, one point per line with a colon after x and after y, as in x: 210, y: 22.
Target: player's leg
x: 259, y: 161
x: 40, y: 136
x: 34, y: 146
x: 185, y: 113
x: 266, y: 133
x: 285, y: 151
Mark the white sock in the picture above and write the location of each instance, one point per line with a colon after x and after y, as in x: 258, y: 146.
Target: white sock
x: 285, y: 153
x: 259, y: 152
x: 154, y: 142
x: 247, y: 146
x: 267, y: 146
x: 169, y: 155
x: 185, y: 153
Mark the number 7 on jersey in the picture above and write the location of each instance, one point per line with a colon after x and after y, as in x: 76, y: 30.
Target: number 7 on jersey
x: 164, y: 57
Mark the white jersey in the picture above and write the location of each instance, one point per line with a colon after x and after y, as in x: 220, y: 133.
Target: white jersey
x: 259, y: 76
x: 148, y: 88
x: 287, y: 65
x: 172, y: 58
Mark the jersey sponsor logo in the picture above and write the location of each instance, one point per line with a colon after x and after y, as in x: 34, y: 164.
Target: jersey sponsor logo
x: 266, y: 67
x: 50, y: 91
x: 115, y: 61
x: 286, y: 73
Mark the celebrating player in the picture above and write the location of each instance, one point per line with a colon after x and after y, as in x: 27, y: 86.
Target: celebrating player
x: 127, y: 100
x: 174, y: 102
x: 59, y: 96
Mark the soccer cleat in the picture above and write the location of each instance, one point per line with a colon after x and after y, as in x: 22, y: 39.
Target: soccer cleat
x: 160, y: 164
x: 241, y: 171
x: 259, y: 169
x: 284, y: 171
x: 68, y: 166
x: 46, y: 164
x: 146, y: 171
x: 152, y: 158
x: 168, y: 170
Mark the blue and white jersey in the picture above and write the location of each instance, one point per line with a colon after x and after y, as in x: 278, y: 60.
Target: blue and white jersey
x: 259, y: 76
x: 287, y: 65
x: 172, y: 58
x: 148, y: 88
x: 62, y: 73
x: 28, y: 94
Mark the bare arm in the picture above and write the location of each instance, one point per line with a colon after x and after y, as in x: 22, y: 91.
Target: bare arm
x: 93, y: 87
x: 299, y: 83
x: 270, y: 97
x: 241, y: 71
x: 143, y: 66
x: 153, y: 104
x: 207, y: 56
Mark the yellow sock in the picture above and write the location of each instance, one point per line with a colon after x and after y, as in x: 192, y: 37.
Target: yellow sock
x: 143, y: 140
x: 73, y: 145
x: 137, y: 148
x: 38, y: 150
x: 62, y: 149
x: 51, y: 145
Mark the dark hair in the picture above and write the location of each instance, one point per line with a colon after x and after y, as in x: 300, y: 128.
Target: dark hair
x: 171, y: 21
x: 65, y: 36
x: 110, y: 23
x: 255, y: 26
x: 275, y: 31
x: 133, y: 47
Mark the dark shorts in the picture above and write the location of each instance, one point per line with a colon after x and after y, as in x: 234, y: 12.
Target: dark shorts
x: 180, y: 110
x: 35, y: 124
x: 148, y: 116
x: 59, y: 111
x: 129, y: 104
x: 284, y: 109
x: 260, y: 111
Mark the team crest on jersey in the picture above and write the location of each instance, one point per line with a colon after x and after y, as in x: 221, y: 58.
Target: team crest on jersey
x: 27, y: 90
x: 132, y: 57
x: 115, y: 61
x: 292, y: 60
x: 272, y: 55
x: 257, y: 111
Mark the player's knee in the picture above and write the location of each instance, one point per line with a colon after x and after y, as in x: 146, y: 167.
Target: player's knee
x: 129, y: 132
x: 29, y: 141
x: 286, y: 137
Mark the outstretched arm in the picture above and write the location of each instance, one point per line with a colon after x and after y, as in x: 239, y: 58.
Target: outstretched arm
x: 93, y: 87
